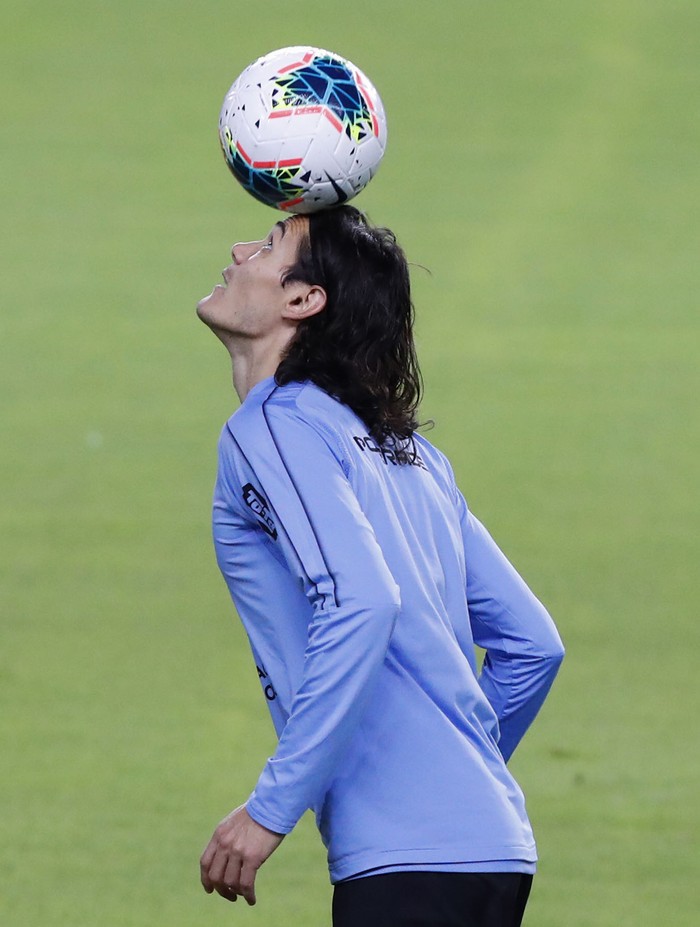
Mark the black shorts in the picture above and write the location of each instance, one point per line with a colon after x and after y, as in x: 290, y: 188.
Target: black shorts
x: 432, y: 899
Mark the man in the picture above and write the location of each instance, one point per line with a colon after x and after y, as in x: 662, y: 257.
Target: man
x: 363, y: 582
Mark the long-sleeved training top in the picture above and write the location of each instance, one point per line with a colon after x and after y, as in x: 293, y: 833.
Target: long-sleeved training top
x: 363, y: 583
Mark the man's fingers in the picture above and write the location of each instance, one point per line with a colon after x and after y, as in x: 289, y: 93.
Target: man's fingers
x: 213, y: 867
x: 209, y: 853
x: 204, y: 877
x: 223, y: 873
x: 231, y: 860
x: 231, y: 878
x: 239, y: 877
x: 246, y: 882
x: 217, y: 868
x: 232, y: 870
x: 205, y: 862
x: 228, y: 892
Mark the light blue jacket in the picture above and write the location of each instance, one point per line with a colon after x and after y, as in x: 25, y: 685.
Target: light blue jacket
x: 363, y: 583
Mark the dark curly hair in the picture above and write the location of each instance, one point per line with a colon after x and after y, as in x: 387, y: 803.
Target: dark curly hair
x: 360, y: 348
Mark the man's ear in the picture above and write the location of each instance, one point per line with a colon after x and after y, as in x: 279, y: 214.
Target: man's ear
x: 304, y: 301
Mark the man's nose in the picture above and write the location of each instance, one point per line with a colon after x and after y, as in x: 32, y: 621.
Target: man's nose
x: 242, y: 250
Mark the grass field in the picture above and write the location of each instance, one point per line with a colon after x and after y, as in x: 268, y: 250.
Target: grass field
x: 543, y: 164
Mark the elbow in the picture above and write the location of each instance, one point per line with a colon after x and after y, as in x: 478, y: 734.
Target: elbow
x: 386, y: 611
x: 368, y: 618
x: 381, y: 615
x: 383, y: 602
x: 553, y: 657
x: 554, y: 650
x: 550, y: 648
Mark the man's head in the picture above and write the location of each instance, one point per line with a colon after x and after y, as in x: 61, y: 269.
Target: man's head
x: 327, y: 297
x: 256, y: 301
x: 359, y: 347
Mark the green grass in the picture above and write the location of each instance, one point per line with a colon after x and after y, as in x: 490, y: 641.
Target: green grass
x: 542, y: 163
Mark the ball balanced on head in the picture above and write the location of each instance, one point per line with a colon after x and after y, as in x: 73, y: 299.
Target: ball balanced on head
x: 302, y: 129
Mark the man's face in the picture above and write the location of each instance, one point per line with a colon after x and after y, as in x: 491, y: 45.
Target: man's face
x: 252, y: 301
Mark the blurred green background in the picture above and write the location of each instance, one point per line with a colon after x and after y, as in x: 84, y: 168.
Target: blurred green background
x: 543, y: 164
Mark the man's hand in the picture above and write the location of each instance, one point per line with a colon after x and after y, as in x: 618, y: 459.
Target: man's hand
x: 237, y: 849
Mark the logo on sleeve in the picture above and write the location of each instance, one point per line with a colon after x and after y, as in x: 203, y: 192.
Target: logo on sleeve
x: 257, y: 503
x: 268, y: 688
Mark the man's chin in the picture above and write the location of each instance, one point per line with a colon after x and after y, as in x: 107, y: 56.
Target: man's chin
x: 206, y: 299
x: 203, y: 310
x: 221, y: 333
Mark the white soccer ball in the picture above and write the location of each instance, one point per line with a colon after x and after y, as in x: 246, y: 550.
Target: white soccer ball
x: 302, y: 129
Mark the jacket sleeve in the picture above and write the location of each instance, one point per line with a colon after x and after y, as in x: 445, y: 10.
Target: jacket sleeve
x: 523, y: 649
x: 330, y: 546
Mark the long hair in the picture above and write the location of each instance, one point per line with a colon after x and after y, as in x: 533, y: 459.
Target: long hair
x: 360, y: 347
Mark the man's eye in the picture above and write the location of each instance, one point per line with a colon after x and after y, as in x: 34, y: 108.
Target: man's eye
x: 268, y: 245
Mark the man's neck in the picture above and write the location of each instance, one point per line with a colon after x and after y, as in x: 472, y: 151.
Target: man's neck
x: 252, y: 362
x: 246, y: 376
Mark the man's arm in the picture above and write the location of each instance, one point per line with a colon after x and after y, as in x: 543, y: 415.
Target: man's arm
x: 523, y: 649
x: 354, y: 602
x: 329, y: 544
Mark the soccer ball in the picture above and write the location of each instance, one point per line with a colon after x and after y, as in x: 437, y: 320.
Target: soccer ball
x: 302, y: 129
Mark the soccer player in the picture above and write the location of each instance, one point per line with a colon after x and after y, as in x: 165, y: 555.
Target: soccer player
x: 364, y: 582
